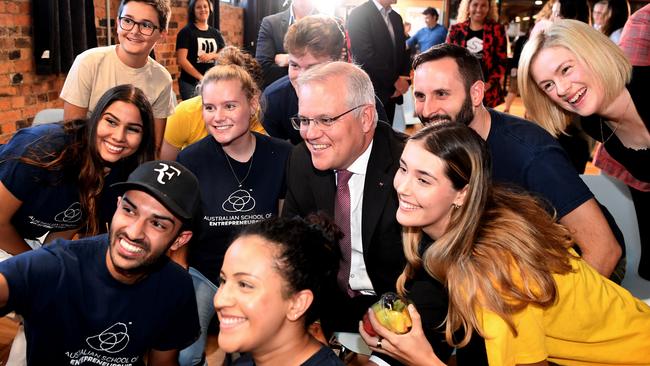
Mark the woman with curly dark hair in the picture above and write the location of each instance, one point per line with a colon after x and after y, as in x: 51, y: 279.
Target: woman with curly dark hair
x: 271, y: 288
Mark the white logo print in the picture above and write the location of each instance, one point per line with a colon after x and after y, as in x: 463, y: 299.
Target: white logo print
x: 206, y: 45
x: 112, y: 340
x: 163, y: 175
x: 70, y: 215
x: 239, y: 201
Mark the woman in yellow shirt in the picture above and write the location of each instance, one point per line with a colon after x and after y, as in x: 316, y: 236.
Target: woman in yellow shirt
x: 509, y: 268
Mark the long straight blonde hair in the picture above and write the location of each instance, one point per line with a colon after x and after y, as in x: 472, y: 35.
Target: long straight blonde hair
x: 500, y: 248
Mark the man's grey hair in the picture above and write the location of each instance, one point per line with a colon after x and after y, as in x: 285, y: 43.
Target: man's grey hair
x: 357, y: 83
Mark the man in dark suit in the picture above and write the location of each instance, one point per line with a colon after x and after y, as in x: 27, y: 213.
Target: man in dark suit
x: 338, y: 122
x: 270, y: 51
x: 378, y: 44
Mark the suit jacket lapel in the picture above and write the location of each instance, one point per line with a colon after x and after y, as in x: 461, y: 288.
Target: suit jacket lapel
x: 324, y: 190
x: 377, y: 187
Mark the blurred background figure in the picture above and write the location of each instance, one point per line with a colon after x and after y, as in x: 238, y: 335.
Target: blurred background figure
x: 197, y: 45
x: 617, y: 13
x: 599, y: 14
x: 478, y: 30
x: 270, y: 52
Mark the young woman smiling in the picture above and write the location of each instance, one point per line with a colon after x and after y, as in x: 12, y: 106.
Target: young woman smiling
x: 507, y: 265
x: 54, y: 178
x: 572, y: 69
x: 197, y: 45
x: 241, y: 175
x: 271, y: 287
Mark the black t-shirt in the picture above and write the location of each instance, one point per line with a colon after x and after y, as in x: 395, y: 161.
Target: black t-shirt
x: 475, y: 42
x: 226, y: 206
x: 76, y: 313
x: 198, y: 41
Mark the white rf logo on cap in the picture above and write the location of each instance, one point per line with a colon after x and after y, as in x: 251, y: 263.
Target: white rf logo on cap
x: 166, y: 173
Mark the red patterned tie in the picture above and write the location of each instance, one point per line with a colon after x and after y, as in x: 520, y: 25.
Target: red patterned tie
x: 342, y: 219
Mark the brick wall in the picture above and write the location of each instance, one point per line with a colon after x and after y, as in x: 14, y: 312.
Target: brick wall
x: 23, y: 93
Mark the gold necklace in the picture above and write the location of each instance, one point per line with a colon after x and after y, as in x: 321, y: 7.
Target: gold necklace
x: 618, y: 124
x: 240, y: 182
x: 602, y: 137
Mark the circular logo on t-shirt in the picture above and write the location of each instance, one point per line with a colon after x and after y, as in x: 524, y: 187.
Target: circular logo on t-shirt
x: 70, y: 215
x: 239, y: 201
x: 112, y: 340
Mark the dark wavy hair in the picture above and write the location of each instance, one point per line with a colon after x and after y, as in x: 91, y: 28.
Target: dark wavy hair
x: 80, y: 158
x: 308, y: 256
x: 191, y: 16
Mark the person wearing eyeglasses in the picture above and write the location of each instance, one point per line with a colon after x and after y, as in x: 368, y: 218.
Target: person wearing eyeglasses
x: 140, y: 25
x: 312, y: 40
x: 346, y: 147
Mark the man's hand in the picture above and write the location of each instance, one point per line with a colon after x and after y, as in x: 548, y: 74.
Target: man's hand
x: 401, y: 86
x: 282, y: 59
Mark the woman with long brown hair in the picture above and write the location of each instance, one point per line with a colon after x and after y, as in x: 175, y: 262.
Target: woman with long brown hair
x: 54, y: 177
x: 508, y: 266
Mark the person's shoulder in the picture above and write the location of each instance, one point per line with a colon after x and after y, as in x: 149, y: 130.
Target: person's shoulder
x: 47, y: 138
x: 324, y: 357
x: 362, y: 8
x: 273, y: 143
x: 519, y: 130
x: 277, y: 16
x: 192, y: 105
x: 81, y: 248
x: 202, y: 148
x: 159, y: 71
x: 278, y: 87
x: 95, y: 54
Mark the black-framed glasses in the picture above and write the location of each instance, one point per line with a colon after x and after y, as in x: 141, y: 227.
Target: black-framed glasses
x: 146, y: 28
x: 324, y: 123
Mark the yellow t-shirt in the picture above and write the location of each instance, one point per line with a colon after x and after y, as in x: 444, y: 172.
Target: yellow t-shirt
x: 186, y: 125
x: 593, y: 322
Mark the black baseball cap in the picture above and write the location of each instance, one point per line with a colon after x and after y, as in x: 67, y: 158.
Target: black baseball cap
x: 170, y: 183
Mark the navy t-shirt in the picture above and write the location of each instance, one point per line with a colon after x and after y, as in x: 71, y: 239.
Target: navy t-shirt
x: 226, y: 206
x: 76, y: 313
x: 525, y: 155
x: 50, y: 198
x: 195, y: 40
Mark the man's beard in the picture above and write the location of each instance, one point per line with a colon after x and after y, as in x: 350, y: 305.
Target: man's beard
x: 464, y: 116
x: 148, y: 265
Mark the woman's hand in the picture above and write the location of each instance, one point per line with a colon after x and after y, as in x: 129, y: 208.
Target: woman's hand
x: 207, y: 57
x: 411, y: 348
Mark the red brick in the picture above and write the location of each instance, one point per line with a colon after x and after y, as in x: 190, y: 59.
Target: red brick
x: 18, y: 102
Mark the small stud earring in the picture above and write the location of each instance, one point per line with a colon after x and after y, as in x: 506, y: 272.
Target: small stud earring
x: 455, y: 206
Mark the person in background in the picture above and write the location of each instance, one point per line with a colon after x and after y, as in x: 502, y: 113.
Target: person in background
x: 378, y: 44
x: 478, y: 30
x: 273, y: 276
x: 572, y: 69
x: 513, y: 90
x: 618, y: 11
x: 114, y: 298
x: 599, y: 14
x: 54, y: 178
x: 186, y: 126
x: 311, y: 41
x: 431, y: 35
x: 508, y: 266
x: 140, y: 25
x: 635, y: 42
x: 269, y: 51
x: 241, y: 175
x: 197, y: 46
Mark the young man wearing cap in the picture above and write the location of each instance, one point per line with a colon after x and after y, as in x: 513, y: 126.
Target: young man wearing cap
x: 113, y: 298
